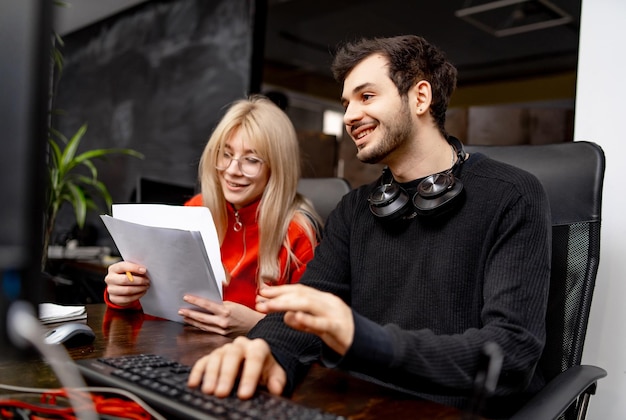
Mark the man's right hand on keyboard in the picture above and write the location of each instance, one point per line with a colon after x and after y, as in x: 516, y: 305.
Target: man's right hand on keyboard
x: 217, y: 372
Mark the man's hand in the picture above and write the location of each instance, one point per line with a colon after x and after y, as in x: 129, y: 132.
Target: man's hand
x: 228, y: 318
x: 310, y: 310
x: 217, y: 372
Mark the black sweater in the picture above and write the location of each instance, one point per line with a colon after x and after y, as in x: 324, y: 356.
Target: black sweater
x: 428, y: 293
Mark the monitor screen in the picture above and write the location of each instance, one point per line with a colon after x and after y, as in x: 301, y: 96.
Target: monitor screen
x: 153, y: 191
x: 25, y: 36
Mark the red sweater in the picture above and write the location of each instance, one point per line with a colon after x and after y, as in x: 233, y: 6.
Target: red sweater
x: 240, y: 251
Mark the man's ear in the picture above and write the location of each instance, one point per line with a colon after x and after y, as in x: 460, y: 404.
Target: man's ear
x: 423, y: 95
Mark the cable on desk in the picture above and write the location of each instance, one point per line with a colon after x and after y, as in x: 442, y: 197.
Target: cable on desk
x: 132, y: 408
x: 24, y: 328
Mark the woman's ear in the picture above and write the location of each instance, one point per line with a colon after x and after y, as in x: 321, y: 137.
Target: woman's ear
x: 422, y: 92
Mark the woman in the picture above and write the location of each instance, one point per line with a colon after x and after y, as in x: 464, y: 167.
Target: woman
x: 248, y: 173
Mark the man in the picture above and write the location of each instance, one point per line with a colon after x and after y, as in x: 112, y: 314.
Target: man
x: 417, y: 271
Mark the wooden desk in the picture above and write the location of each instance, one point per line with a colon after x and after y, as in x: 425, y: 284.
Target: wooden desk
x: 123, y: 333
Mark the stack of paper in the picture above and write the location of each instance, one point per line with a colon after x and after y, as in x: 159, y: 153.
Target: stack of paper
x: 179, y: 247
x: 50, y: 313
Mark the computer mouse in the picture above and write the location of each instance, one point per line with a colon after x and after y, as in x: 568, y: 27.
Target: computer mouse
x: 70, y: 334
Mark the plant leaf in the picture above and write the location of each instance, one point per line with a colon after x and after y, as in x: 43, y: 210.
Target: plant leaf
x: 92, y: 168
x: 78, y: 200
x: 58, y: 134
x: 69, y: 152
x: 99, y: 153
x: 104, y: 193
x: 56, y: 153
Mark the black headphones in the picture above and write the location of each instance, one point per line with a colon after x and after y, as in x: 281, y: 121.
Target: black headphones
x: 435, y: 193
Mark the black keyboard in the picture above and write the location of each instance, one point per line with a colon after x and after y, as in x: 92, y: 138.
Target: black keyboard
x: 162, y: 384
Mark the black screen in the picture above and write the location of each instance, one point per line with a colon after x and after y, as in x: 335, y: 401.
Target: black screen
x: 25, y: 39
x: 152, y: 191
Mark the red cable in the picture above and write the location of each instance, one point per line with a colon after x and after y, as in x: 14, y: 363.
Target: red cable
x: 114, y: 406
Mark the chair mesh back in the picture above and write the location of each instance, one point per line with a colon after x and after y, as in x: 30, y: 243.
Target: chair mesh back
x: 574, y: 266
x: 572, y: 174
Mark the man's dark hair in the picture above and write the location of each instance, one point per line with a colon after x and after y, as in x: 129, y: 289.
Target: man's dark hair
x: 411, y: 59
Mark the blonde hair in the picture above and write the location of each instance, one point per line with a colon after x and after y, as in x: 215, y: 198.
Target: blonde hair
x: 273, y: 137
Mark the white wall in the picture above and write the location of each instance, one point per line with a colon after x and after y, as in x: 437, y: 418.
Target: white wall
x: 601, y: 117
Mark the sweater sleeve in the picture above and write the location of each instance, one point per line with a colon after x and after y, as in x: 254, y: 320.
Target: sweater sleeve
x: 371, y: 345
x: 134, y: 306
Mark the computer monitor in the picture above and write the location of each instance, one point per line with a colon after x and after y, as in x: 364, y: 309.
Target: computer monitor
x: 25, y: 38
x: 153, y: 191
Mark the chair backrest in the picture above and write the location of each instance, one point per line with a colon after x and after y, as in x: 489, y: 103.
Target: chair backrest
x: 324, y: 193
x: 572, y: 174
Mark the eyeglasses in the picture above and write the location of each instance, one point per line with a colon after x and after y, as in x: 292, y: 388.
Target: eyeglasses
x: 248, y: 165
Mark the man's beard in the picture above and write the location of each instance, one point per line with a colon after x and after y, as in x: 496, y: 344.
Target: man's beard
x: 398, y: 131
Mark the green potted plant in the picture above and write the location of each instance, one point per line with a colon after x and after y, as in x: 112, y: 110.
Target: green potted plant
x: 68, y: 184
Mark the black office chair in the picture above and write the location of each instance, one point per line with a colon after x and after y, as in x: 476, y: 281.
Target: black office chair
x: 572, y: 175
x: 324, y: 193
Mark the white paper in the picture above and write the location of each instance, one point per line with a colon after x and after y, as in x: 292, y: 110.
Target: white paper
x: 179, y: 247
x: 193, y: 218
x: 52, y: 312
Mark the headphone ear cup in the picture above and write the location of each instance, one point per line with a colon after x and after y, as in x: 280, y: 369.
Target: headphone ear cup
x: 436, y: 192
x: 389, y: 201
x: 435, y: 185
